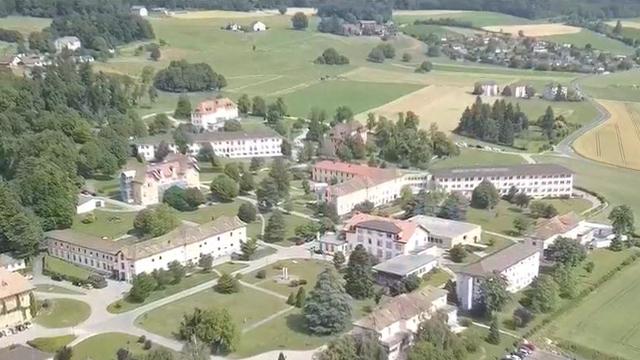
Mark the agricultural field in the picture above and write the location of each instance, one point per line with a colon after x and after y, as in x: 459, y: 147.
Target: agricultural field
x: 598, y: 41
x: 621, y: 86
x: 477, y: 18
x: 535, y: 30
x: 617, y: 141
x: 24, y: 24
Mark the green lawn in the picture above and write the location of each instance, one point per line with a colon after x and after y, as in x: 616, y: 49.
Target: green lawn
x: 105, y: 186
x: 24, y: 24
x: 110, y: 224
x: 51, y: 344
x: 474, y: 157
x: 424, y: 30
x: 188, y: 282
x: 230, y: 267
x: 436, y: 278
x: 62, y: 313
x: 104, y: 347
x: 207, y: 213
x: 56, y: 289
x: 291, y: 221
x: 486, y: 350
x: 242, y: 307
x: 621, y: 86
x: 63, y: 267
x: 596, y: 40
x: 477, y: 18
x: 298, y: 269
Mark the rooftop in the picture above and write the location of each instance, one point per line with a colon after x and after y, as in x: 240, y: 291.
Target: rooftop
x: 404, y: 264
x: 364, y: 176
x: 499, y: 261
x: 402, y: 228
x: 13, y: 283
x: 86, y: 241
x: 22, y: 352
x: 213, y: 105
x: 484, y: 171
x: 6, y: 259
x: 210, y: 136
x: 556, y: 225
x: 159, y: 169
x: 444, y: 227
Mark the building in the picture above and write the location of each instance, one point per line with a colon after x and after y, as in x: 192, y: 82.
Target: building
x: 15, y: 291
x: 124, y: 259
x: 233, y: 27
x: 10, y: 61
x: 22, y: 352
x: 331, y: 243
x: 518, y: 264
x: 88, y: 204
x: 228, y: 144
x: 398, y: 268
x: 71, y: 43
x: 446, y: 233
x: 139, y: 10
x: 210, y: 115
x: 551, y: 92
x: 489, y: 88
x: 570, y: 226
x: 535, y: 180
x: 145, y: 183
x: 11, y: 264
x: 258, y: 26
x: 352, y: 130
x: 520, y: 91
x: 396, y: 321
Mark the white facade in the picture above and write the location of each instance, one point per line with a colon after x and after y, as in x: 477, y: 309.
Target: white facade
x: 11, y: 264
x: 385, y: 245
x: 258, y: 26
x: 520, y: 91
x: 140, y: 11
x: 210, y: 115
x: 551, y: 91
x: 70, y: 43
x: 87, y: 204
x: 535, y: 180
x: 490, y: 89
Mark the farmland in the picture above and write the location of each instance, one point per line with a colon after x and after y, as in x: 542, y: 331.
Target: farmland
x: 535, y: 30
x: 476, y: 18
x: 621, y: 86
x: 598, y: 41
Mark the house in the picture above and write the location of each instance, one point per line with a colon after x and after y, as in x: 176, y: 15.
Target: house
x: 371, y: 27
x: 342, y: 132
x: 551, y: 92
x: 160, y: 11
x: 211, y: 114
x: 488, y: 88
x: 349, y: 29
x: 71, y: 43
x: 88, y: 204
x: 15, y: 295
x: 139, y: 10
x: 10, y: 61
x: 331, y: 243
x: 396, y: 321
x: 228, y: 144
x: 446, y: 233
x: 535, y: 180
x: 22, y: 352
x: 398, y: 268
x: 145, y: 183
x: 517, y: 91
x: 32, y: 61
x: 569, y: 225
x: 518, y: 264
x: 11, y: 264
x: 83, y: 59
x: 258, y: 26
x: 124, y: 259
x: 233, y: 27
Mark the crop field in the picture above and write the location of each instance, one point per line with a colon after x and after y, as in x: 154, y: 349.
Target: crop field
x: 621, y: 86
x: 617, y: 141
x: 598, y: 41
x: 604, y: 320
x: 631, y: 23
x: 535, y: 30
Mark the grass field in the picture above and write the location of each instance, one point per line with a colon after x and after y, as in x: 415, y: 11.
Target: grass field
x: 24, y: 24
x: 473, y: 157
x: 621, y: 86
x: 298, y: 269
x: 63, y: 267
x: 617, y: 141
x: 230, y: 267
x: 63, y: 313
x: 598, y: 41
x: 51, y: 344
x: 477, y: 18
x: 535, y: 30
x: 109, y: 224
x: 207, y: 213
x: 104, y: 347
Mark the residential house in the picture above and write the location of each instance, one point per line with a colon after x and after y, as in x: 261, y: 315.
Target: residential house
x: 551, y: 92
x: 349, y: 29
x: 15, y: 291
x: 139, y: 10
x: 233, y: 27
x: 228, y: 144
x: 32, y: 61
x: 11, y: 264
x: 396, y: 321
x: 446, y: 233
x: 145, y: 183
x: 210, y: 115
x: 371, y: 27
x: 489, y: 88
x: 124, y: 259
x: 535, y: 180
x: 23, y: 352
x: 10, y: 61
x: 160, y: 11
x: 71, y: 43
x: 88, y: 204
x: 258, y: 26
x: 518, y: 264
x: 400, y: 267
x: 517, y: 91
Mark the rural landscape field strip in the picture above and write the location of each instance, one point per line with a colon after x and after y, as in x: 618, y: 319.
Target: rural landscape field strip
x: 535, y: 29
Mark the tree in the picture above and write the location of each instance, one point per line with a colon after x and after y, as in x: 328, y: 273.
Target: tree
x: 338, y: 260
x: 281, y: 356
x: 206, y: 262
x: 522, y: 317
x: 622, y: 220
x: 244, y: 104
x: 232, y: 125
x: 376, y: 55
x: 267, y: 193
x: 458, y: 253
x: 142, y: 286
x: 281, y: 175
x: 227, y: 284
x: 155, y: 54
x: 547, y: 121
x: 566, y: 251
x: 541, y: 209
x: 161, y: 124
x: 307, y: 231
x: 194, y: 197
x: 299, y: 21
x: 247, y: 212
x: 365, y: 207
x: 406, y: 57
x: 276, y: 228
x: 494, y: 294
x: 424, y: 67
x: 362, y: 346
x: 291, y: 300
x: 20, y: 230
x: 255, y: 164
x: 566, y: 279
x: 494, y: 332
x: 359, y: 277
x: 195, y: 350
x: 543, y: 295
x: 521, y: 224
x: 232, y: 170
x: 224, y: 188
x: 175, y: 197
x: 248, y: 248
x: 411, y: 283
x: 181, y: 76
x: 183, y: 108
x: 64, y: 353
x: 454, y: 207
x: 485, y: 196
x: 343, y: 114
x: 521, y: 199
x: 177, y: 271
x: 155, y: 221
x: 589, y: 267
x: 618, y: 28
x: 214, y: 327
x: 300, y: 297
x: 153, y: 94
x: 326, y: 309
x: 258, y: 106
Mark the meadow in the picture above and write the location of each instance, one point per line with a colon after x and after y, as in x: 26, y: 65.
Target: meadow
x: 620, y: 86
x: 476, y: 18
x: 598, y: 41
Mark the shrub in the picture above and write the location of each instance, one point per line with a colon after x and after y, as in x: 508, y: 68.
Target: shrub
x: 89, y: 218
x: 261, y: 274
x: 302, y: 282
x: 147, y: 344
x: 97, y: 281
x: 465, y: 322
x: 142, y: 339
x: 293, y: 283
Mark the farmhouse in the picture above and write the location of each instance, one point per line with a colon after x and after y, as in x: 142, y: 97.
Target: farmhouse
x: 139, y: 10
x: 70, y: 43
x: 396, y: 321
x: 145, y: 183
x: 211, y: 114
x: 87, y: 204
x: 15, y: 291
x: 125, y: 259
x: 228, y: 144
x: 446, y: 233
x: 342, y: 133
x: 10, y: 61
x: 535, y: 180
x: 518, y: 264
x: 569, y: 225
x: 487, y: 88
x: 518, y: 91
x: 11, y: 264
x: 233, y: 27
x: 258, y: 26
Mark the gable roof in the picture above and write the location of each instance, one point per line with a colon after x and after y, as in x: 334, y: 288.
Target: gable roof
x: 213, y: 105
x: 444, y: 227
x: 85, y: 240
x: 499, y: 261
x: 556, y: 225
x: 402, y: 228
x: 484, y: 171
x: 13, y: 283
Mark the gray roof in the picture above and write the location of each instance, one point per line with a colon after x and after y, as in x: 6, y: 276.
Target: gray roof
x: 332, y: 238
x: 83, y: 199
x: 404, y: 264
x: 380, y: 225
x: 85, y: 240
x: 444, y: 227
x: 21, y: 352
x: 499, y: 261
x: 210, y: 136
x: 484, y: 171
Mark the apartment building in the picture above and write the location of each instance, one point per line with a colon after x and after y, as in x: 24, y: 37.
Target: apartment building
x: 535, y: 180
x: 211, y: 114
x: 145, y: 183
x: 396, y: 321
x: 518, y: 264
x: 228, y: 144
x: 15, y: 292
x: 124, y: 259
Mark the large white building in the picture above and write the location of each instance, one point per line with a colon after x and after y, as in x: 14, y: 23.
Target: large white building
x: 139, y: 10
x: 70, y: 43
x: 535, y: 180
x: 210, y: 115
x: 124, y: 259
x: 228, y: 144
x: 396, y: 321
x: 446, y: 233
x: 518, y: 264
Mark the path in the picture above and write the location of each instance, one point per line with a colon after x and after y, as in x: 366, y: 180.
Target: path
x: 501, y: 331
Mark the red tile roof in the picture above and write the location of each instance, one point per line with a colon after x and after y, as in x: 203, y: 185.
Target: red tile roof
x: 363, y: 176
x: 212, y: 106
x: 404, y: 229
x: 559, y: 224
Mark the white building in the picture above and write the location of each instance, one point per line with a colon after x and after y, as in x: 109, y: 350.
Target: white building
x: 88, y: 204
x: 396, y: 321
x: 258, y: 26
x: 70, y: 43
x: 11, y: 264
x: 535, y: 180
x: 228, y: 144
x: 551, y: 91
x: 518, y: 264
x: 489, y: 88
x: 396, y: 269
x: 210, y: 115
x: 125, y: 259
x: 446, y: 233
x: 139, y: 10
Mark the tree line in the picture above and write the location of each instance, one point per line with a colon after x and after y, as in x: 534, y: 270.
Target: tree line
x: 499, y: 124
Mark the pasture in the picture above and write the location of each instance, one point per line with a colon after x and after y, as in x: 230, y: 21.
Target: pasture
x: 476, y: 18
x: 597, y: 41
x: 24, y: 24
x: 617, y: 141
x: 621, y: 86
x: 535, y: 30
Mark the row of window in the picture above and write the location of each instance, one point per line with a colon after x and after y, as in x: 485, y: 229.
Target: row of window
x: 503, y: 178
